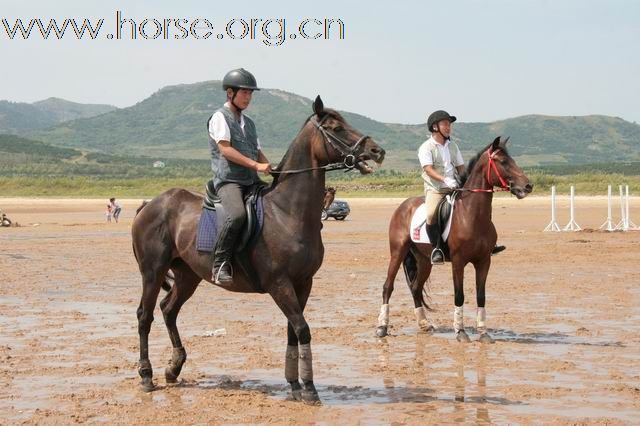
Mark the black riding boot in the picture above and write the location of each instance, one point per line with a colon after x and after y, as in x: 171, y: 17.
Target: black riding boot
x: 222, y: 270
x: 437, y: 256
x: 497, y: 249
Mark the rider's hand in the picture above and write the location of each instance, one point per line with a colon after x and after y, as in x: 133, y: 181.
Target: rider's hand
x: 264, y: 168
x: 451, y: 183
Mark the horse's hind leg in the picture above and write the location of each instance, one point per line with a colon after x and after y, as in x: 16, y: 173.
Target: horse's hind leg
x: 399, y: 250
x: 151, y: 282
x: 185, y: 284
x: 416, y: 280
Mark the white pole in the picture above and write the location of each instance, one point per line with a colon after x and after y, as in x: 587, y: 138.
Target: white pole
x: 620, y: 225
x: 572, y: 225
x: 627, y: 218
x: 608, y: 225
x: 553, y: 225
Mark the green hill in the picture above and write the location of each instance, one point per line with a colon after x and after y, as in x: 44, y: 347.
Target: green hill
x: 171, y: 123
x: 19, y: 117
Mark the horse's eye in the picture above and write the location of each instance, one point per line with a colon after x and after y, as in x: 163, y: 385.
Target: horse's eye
x: 338, y: 129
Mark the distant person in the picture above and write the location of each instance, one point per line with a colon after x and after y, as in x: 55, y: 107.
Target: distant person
x: 442, y: 164
x: 107, y: 213
x: 329, y: 196
x: 115, y: 209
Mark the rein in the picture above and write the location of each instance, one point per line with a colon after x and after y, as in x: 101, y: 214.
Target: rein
x: 347, y: 151
x: 504, y: 186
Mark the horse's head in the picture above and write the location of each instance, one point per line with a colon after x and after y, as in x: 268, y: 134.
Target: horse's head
x: 341, y: 143
x: 502, y: 170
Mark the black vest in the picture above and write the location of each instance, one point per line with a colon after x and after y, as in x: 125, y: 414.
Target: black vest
x: 245, y: 142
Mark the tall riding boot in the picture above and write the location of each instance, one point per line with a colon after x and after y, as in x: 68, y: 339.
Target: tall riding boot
x: 222, y: 270
x: 437, y: 256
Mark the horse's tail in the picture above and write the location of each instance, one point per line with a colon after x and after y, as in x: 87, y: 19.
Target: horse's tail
x: 144, y: 203
x: 169, y: 278
x: 410, y: 267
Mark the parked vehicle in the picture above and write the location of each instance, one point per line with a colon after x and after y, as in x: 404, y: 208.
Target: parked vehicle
x: 339, y: 209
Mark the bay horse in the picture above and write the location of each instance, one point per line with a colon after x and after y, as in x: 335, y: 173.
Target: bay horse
x: 285, y: 256
x: 471, y: 238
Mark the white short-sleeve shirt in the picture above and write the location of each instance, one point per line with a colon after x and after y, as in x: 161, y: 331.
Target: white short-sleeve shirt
x: 219, y: 129
x: 424, y: 155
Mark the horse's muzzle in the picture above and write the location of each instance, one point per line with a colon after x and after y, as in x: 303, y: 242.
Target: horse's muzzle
x: 522, y: 191
x: 374, y: 153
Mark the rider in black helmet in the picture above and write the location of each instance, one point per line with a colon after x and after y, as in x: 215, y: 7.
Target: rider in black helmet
x: 236, y: 160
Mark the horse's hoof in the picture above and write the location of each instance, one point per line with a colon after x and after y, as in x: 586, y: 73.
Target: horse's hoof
x: 485, y: 338
x: 147, y: 385
x: 169, y: 376
x: 296, y: 391
x: 381, y: 331
x: 462, y: 337
x: 310, y: 397
x: 428, y: 329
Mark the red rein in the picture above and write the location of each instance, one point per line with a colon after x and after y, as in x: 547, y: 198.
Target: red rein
x: 504, y: 186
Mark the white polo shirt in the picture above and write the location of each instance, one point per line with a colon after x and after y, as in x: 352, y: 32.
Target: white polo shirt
x: 425, y: 157
x: 219, y: 129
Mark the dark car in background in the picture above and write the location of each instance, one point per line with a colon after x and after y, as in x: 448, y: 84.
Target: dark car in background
x: 338, y: 209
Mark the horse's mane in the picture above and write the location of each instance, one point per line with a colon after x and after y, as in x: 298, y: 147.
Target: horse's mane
x: 333, y: 113
x: 473, y: 161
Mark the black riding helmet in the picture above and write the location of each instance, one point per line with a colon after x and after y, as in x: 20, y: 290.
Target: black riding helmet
x: 239, y: 79
x: 439, y: 116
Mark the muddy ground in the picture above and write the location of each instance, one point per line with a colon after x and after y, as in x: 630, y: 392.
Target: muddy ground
x: 564, y: 309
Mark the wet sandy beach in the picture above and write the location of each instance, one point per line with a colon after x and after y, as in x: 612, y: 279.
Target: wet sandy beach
x: 564, y: 309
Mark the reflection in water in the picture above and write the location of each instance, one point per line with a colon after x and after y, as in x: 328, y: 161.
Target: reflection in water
x: 479, y: 358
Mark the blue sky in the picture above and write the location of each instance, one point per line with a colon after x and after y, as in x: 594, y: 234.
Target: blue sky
x: 483, y: 60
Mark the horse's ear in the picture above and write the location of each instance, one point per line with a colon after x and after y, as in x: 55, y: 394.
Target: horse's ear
x: 504, y: 142
x: 318, y: 106
x: 496, y: 144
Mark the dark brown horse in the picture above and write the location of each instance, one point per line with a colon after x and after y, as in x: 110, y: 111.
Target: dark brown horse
x: 285, y: 256
x: 471, y: 238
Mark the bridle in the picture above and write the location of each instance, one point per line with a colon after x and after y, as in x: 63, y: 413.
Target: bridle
x: 349, y: 153
x: 504, y: 186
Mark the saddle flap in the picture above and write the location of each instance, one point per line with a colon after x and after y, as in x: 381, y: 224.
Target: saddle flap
x: 418, y: 228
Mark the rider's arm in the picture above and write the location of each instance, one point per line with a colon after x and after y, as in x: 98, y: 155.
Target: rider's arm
x: 460, y: 169
x: 432, y: 173
x: 235, y: 156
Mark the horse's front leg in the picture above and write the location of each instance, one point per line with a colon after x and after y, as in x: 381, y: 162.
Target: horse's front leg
x: 298, y: 343
x: 482, y: 270
x: 458, y: 291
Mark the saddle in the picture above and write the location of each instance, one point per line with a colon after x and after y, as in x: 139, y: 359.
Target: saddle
x: 444, y: 211
x: 213, y: 214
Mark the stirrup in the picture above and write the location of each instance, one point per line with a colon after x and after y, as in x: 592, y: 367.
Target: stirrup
x: 433, y: 254
x: 216, y: 278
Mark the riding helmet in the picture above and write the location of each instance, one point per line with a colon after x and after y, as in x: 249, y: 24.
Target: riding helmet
x: 239, y: 79
x: 439, y: 116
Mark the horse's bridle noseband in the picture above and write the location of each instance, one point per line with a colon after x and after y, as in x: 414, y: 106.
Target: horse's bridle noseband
x: 349, y: 153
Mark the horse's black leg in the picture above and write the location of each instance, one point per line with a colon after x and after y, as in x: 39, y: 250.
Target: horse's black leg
x: 398, y: 252
x: 291, y: 363
x: 292, y: 305
x: 423, y: 270
x: 150, y: 290
x: 185, y: 284
x: 482, y: 270
x: 458, y: 291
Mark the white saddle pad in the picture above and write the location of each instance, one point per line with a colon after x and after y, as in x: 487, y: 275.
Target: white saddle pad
x: 418, y: 228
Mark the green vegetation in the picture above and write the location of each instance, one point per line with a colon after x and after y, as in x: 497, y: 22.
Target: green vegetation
x: 171, y: 123
x: 18, y: 117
